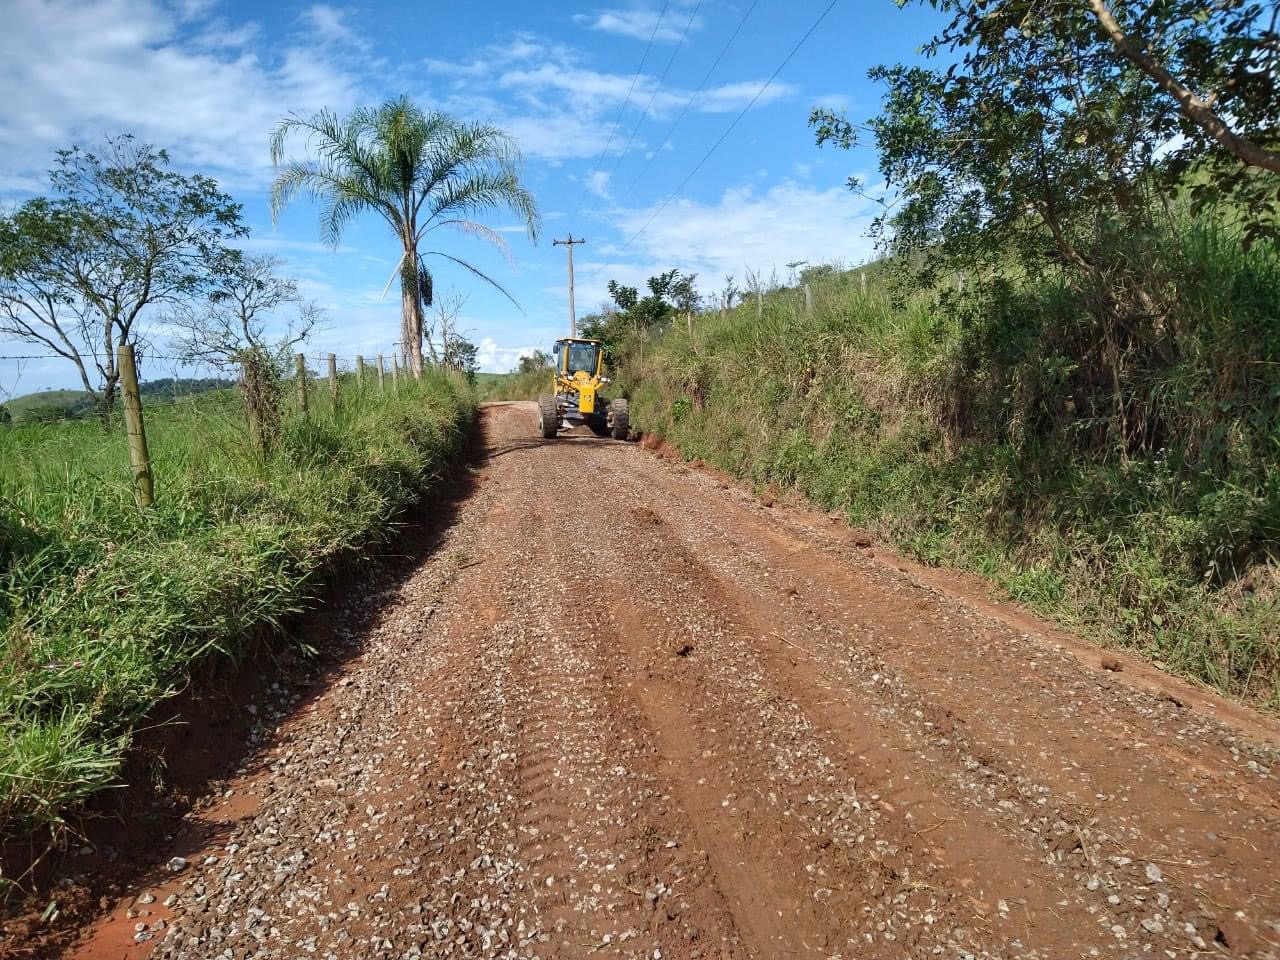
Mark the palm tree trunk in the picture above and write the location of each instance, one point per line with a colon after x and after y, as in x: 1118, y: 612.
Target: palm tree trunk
x: 411, y: 312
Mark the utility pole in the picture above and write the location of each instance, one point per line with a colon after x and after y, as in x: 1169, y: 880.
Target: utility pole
x: 573, y: 316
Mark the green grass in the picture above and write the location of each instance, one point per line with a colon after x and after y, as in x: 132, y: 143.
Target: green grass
x: 985, y: 437
x: 105, y: 608
x: 513, y: 386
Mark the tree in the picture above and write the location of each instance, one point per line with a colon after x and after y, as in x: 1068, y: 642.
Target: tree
x: 228, y: 329
x: 1053, y: 157
x: 535, y: 362
x: 122, y: 233
x: 634, y: 316
x: 420, y: 170
x: 684, y: 295
x: 1236, y: 50
x: 460, y: 354
x: 442, y: 326
x: 230, y: 322
x: 667, y: 293
x: 1049, y: 120
x: 37, y: 303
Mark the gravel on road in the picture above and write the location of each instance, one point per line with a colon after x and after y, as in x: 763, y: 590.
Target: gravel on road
x: 627, y: 710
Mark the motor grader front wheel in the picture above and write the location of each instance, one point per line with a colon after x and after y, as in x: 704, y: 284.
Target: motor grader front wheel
x: 548, y: 418
x: 619, y: 419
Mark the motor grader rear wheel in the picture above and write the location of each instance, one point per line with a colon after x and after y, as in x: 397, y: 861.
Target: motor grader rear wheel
x: 548, y: 418
x: 620, y: 425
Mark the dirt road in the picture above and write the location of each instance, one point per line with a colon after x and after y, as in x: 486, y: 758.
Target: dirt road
x: 626, y: 710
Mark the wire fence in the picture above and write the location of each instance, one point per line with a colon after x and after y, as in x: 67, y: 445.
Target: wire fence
x: 314, y: 384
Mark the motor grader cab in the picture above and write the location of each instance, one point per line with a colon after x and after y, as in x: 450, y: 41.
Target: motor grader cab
x: 575, y: 392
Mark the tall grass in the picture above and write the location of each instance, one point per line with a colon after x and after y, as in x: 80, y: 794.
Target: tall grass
x: 105, y: 608
x: 527, y: 385
x: 1134, y: 495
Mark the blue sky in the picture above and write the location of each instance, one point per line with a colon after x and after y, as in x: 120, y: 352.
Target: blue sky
x: 208, y: 79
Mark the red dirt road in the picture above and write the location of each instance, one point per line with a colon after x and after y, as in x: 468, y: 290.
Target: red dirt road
x: 626, y: 710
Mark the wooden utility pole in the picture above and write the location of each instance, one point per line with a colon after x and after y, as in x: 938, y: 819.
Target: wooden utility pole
x: 569, y: 245
x: 301, y: 364
x: 139, y: 456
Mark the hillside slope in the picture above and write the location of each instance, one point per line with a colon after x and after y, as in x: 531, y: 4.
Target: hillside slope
x: 982, y: 437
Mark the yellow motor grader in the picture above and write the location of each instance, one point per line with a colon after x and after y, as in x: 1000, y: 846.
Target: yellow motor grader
x: 575, y: 392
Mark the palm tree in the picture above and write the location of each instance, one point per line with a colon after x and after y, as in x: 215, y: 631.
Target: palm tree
x: 420, y: 170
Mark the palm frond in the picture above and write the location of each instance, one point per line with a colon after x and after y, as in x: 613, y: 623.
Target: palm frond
x: 485, y: 192
x: 478, y: 230
x: 476, y: 271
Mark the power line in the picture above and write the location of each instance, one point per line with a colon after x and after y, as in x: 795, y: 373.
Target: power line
x: 622, y: 110
x: 653, y: 96
x: 706, y: 156
x: 707, y: 76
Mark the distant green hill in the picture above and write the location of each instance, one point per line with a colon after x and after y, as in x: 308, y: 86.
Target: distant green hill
x: 71, y: 404
x: 48, y: 405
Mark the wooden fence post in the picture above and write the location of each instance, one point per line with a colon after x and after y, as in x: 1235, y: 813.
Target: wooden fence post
x: 808, y: 300
x: 139, y: 455
x: 382, y: 377
x: 333, y: 378
x: 862, y: 275
x: 395, y: 372
x: 301, y: 364
x: 359, y: 371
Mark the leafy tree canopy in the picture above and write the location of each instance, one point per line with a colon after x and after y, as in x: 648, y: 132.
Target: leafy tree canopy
x: 1056, y: 123
x: 122, y: 233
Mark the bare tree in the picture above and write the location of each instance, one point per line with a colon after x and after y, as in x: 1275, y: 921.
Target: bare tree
x: 232, y: 319
x: 229, y: 330
x: 441, y: 328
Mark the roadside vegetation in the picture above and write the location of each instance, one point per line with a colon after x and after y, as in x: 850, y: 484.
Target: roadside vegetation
x: 1063, y: 371
x: 529, y: 380
x: 106, y: 609
x: 109, y: 602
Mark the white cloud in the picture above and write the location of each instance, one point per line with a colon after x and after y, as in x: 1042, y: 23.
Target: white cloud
x: 559, y: 109
x: 834, y: 101
x: 495, y: 359
x: 639, y: 23
x: 329, y: 24
x: 745, y: 229
x: 734, y: 96
x: 210, y: 93
x: 598, y: 184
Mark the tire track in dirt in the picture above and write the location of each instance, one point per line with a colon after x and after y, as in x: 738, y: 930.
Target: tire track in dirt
x: 1108, y: 841
x: 721, y: 720
x: 718, y: 734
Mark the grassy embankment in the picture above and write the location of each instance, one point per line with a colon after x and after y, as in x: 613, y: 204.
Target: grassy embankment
x: 985, y: 439
x: 105, y: 608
